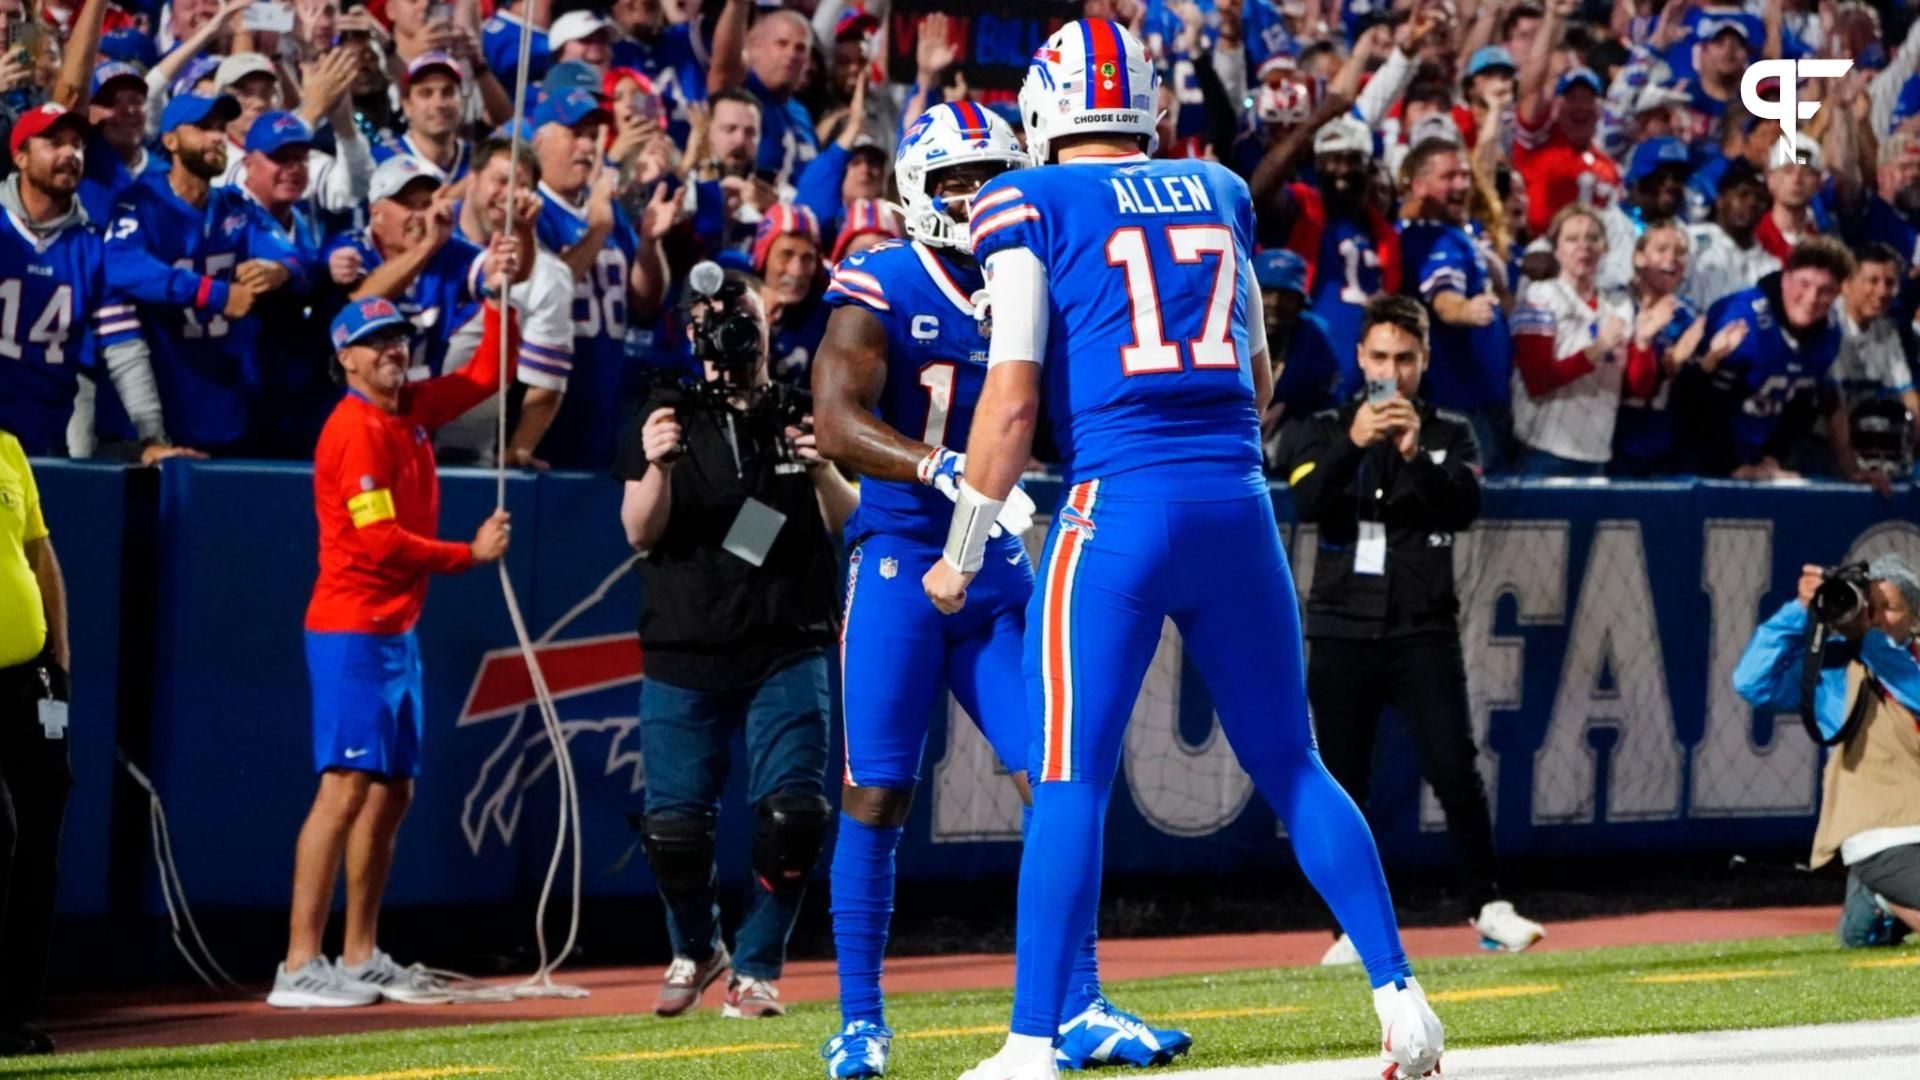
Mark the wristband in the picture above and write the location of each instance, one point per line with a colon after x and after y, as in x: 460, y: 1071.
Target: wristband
x: 973, y: 520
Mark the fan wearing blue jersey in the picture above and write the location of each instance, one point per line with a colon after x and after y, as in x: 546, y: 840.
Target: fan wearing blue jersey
x: 1769, y: 388
x: 411, y: 257
x: 431, y: 97
x: 894, y: 387
x: 1472, y: 366
x: 1121, y: 295
x: 182, y: 259
x: 616, y: 271
x: 53, y: 293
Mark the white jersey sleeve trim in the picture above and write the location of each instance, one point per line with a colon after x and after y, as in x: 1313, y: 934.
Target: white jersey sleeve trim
x: 1017, y: 301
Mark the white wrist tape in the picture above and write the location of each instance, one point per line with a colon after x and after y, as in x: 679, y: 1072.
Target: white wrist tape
x: 973, y: 518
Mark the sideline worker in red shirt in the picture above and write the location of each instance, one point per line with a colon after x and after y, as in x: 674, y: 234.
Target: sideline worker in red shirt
x: 377, y: 495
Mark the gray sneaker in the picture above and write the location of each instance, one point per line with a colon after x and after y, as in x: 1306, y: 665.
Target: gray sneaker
x: 687, y: 979
x: 410, y: 985
x: 318, y: 985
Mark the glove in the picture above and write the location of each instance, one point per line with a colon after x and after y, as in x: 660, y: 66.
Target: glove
x: 943, y: 470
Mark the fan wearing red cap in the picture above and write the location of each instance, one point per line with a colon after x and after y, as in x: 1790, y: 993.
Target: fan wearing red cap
x: 664, y: 52
x: 1553, y: 144
x: 868, y: 222
x: 59, y: 267
x: 786, y: 254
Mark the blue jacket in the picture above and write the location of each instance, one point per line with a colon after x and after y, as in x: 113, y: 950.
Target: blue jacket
x: 1768, y: 674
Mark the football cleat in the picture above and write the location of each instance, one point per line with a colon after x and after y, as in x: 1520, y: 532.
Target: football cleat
x: 1501, y: 927
x: 1411, y: 1037
x: 1103, y: 1035
x: 1010, y: 1065
x: 1340, y: 953
x: 860, y: 1050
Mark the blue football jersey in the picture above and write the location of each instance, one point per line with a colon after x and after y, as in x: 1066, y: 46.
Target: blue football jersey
x: 1346, y: 275
x: 1146, y: 366
x: 675, y: 59
x: 500, y: 43
x: 936, y: 364
x: 587, y: 429
x: 402, y: 145
x: 1769, y: 371
x: 446, y: 289
x: 1471, y: 367
x: 107, y: 178
x: 170, y: 263
x: 1311, y: 378
x: 52, y: 303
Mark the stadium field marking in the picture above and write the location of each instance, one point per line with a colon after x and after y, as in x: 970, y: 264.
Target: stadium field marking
x: 1229, y: 1014
x: 423, y: 1073
x: 1712, y: 976
x: 948, y: 1033
x: 1491, y: 993
x: 1887, y: 962
x: 697, y: 1052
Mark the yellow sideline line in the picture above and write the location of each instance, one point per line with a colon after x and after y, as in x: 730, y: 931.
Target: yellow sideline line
x: 947, y: 1033
x: 1712, y: 976
x: 1887, y: 962
x: 696, y: 1052
x: 423, y: 1073
x: 1228, y: 1014
x: 1486, y: 993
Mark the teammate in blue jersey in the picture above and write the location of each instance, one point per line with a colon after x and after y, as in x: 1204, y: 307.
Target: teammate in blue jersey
x: 181, y: 253
x: 410, y: 256
x: 1447, y: 268
x: 1769, y: 384
x: 894, y: 388
x: 1121, y: 294
x: 53, y: 292
x: 567, y: 143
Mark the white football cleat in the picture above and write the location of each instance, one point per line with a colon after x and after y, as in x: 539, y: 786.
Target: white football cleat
x: 1015, y: 1065
x: 1411, y: 1037
x: 1504, y: 928
x: 1340, y: 953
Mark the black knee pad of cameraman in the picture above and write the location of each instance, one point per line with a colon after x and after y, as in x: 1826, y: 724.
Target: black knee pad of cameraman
x: 679, y: 847
x: 788, y: 829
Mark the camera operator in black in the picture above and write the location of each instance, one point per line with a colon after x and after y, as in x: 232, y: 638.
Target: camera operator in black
x: 1860, y: 694
x: 735, y: 512
x: 1389, y: 479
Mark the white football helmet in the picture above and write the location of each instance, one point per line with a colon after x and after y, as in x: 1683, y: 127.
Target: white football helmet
x: 949, y: 134
x: 1091, y: 76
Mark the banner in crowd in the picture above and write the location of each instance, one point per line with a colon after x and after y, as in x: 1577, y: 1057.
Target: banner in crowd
x: 993, y: 40
x: 1600, y: 626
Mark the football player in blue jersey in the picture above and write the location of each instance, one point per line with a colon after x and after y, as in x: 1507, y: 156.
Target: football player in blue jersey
x: 894, y: 388
x: 1770, y: 387
x: 53, y: 294
x: 1121, y: 294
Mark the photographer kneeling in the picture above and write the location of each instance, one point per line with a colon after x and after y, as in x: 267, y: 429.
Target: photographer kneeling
x: 1859, y: 694
x: 735, y: 512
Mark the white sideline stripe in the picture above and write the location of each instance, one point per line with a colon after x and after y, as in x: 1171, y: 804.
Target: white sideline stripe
x: 1813, y: 1052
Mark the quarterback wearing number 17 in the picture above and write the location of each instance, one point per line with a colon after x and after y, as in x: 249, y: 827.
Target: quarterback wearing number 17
x: 1122, y: 295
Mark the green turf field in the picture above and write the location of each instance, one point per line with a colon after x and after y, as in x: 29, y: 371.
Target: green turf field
x: 1241, y: 1018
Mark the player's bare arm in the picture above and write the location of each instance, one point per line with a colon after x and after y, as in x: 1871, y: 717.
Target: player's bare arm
x: 998, y: 446
x: 848, y: 376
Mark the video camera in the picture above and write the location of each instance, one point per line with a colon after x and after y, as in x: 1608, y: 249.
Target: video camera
x: 726, y: 335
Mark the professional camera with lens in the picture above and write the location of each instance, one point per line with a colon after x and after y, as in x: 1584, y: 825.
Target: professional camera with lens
x: 1842, y: 595
x: 727, y: 335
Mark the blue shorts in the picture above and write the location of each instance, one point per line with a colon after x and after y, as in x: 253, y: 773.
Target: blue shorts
x: 897, y: 650
x: 368, y: 707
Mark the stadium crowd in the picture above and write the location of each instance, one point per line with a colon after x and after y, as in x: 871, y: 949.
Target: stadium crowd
x: 1628, y: 273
